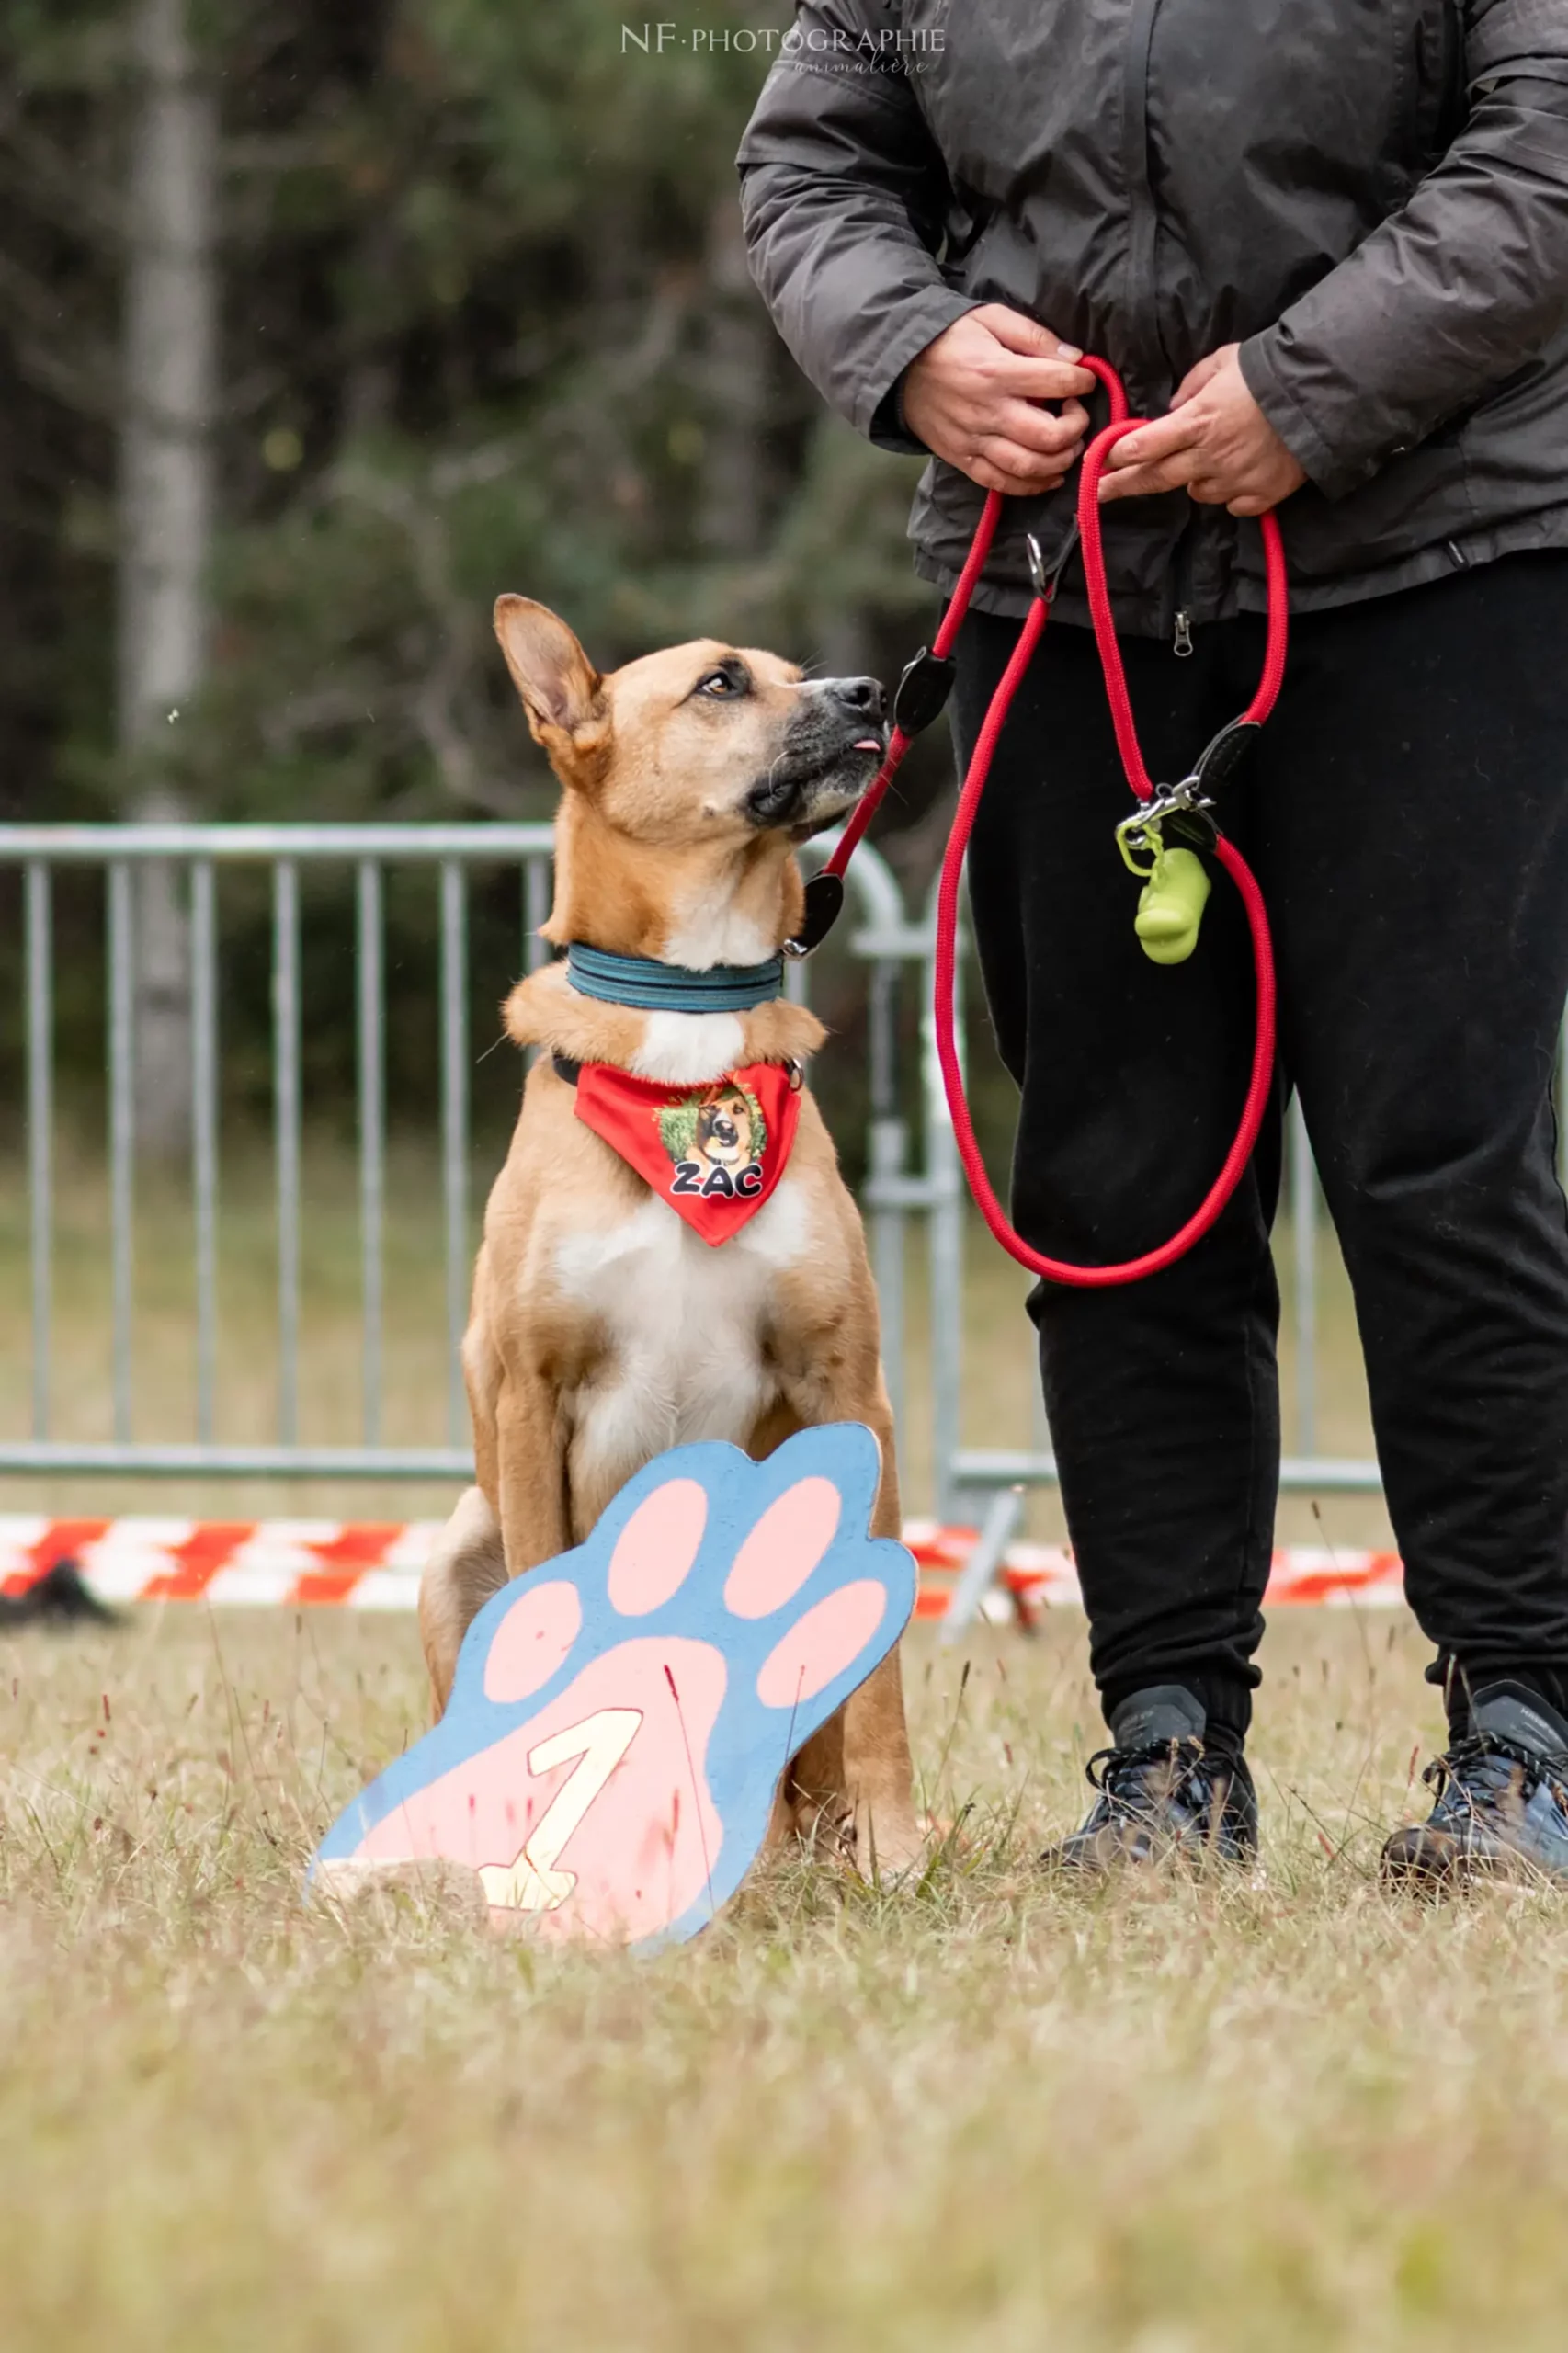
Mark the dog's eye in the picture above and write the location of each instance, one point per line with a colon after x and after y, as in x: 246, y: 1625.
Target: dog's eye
x: 723, y: 685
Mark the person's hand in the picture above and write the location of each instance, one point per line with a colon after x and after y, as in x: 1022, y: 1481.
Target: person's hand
x: 970, y: 397
x: 1216, y: 444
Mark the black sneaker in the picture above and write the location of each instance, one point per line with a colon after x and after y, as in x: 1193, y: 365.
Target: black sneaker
x: 1165, y: 1794
x: 1502, y: 1806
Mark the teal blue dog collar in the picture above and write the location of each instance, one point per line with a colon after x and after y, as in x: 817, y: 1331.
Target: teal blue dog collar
x: 652, y: 987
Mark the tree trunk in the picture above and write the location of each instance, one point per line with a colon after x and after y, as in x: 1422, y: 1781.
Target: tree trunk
x: 166, y: 466
x: 736, y: 375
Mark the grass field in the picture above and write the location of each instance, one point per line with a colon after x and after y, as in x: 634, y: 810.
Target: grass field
x: 979, y: 2113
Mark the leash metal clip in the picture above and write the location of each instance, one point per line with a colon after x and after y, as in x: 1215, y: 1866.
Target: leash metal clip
x: 1184, y: 808
x: 1187, y: 807
x: 1046, y: 583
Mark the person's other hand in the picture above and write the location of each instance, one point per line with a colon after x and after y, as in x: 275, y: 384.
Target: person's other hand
x: 970, y: 397
x: 1216, y: 444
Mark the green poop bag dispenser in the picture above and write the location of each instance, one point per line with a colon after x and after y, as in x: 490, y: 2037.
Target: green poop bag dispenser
x: 1174, y: 894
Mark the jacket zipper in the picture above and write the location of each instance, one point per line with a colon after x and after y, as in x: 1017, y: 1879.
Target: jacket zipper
x: 1142, y: 223
x: 1142, y: 273
x: 1181, y: 594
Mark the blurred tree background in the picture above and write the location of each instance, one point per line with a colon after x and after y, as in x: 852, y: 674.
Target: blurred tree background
x: 479, y: 319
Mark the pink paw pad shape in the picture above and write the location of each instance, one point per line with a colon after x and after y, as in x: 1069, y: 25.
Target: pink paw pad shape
x: 621, y: 1716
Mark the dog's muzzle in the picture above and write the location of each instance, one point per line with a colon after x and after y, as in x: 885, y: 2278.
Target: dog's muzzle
x: 832, y: 749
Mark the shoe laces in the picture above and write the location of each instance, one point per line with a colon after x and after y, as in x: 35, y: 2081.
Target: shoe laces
x: 1136, y: 1782
x: 1485, y: 1764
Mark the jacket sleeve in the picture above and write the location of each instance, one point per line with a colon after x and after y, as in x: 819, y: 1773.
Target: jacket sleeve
x: 1453, y: 292
x: 845, y: 198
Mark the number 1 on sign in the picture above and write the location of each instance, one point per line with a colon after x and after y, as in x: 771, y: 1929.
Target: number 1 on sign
x: 532, y: 1883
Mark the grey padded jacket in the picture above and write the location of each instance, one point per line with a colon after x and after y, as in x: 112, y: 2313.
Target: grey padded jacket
x: 1370, y: 196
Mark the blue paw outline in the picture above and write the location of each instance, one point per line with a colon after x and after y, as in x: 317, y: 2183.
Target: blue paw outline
x: 750, y: 1740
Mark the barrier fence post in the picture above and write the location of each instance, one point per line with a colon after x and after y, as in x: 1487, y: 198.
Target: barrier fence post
x: 204, y: 1135
x: 122, y: 1135
x: 1304, y: 1251
x: 454, y: 1131
x: 887, y: 1147
x: 536, y: 914
x: 944, y: 1240
x: 41, y: 1130
x: 372, y: 1075
x: 286, y: 1100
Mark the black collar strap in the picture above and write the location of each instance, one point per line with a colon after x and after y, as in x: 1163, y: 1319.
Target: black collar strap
x: 652, y: 987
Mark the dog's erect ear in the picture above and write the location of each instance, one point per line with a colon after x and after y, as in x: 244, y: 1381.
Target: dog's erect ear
x: 562, y: 691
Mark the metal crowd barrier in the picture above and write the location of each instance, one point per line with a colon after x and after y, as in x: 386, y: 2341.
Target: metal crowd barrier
x: 895, y: 950
x: 884, y: 942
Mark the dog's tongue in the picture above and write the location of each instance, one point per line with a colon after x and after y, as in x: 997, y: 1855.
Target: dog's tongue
x: 869, y: 743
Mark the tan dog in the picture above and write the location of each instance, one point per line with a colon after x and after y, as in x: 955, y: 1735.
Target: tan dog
x: 603, y: 1329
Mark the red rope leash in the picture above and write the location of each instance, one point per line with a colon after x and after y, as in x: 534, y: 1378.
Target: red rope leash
x: 1261, y: 1079
x: 941, y: 646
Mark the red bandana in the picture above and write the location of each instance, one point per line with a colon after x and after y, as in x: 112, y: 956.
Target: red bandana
x: 714, y: 1153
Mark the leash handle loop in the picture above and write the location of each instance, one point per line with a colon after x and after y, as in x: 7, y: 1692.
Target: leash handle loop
x: 1091, y: 531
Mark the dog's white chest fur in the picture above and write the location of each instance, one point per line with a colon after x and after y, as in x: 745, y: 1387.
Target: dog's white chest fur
x: 686, y: 1327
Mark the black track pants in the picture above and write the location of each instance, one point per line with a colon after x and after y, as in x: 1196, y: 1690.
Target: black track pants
x: 1406, y: 810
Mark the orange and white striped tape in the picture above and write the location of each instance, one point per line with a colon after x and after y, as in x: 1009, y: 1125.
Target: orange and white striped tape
x: 347, y: 1564
x: 1041, y: 1577
x: 250, y: 1564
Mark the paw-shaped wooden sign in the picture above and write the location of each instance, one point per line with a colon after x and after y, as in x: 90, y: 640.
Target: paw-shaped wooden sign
x: 621, y: 1716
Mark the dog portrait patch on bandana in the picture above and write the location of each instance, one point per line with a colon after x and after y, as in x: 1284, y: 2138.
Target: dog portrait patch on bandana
x: 714, y: 1152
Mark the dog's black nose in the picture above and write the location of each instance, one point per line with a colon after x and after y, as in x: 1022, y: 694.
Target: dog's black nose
x: 866, y: 697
